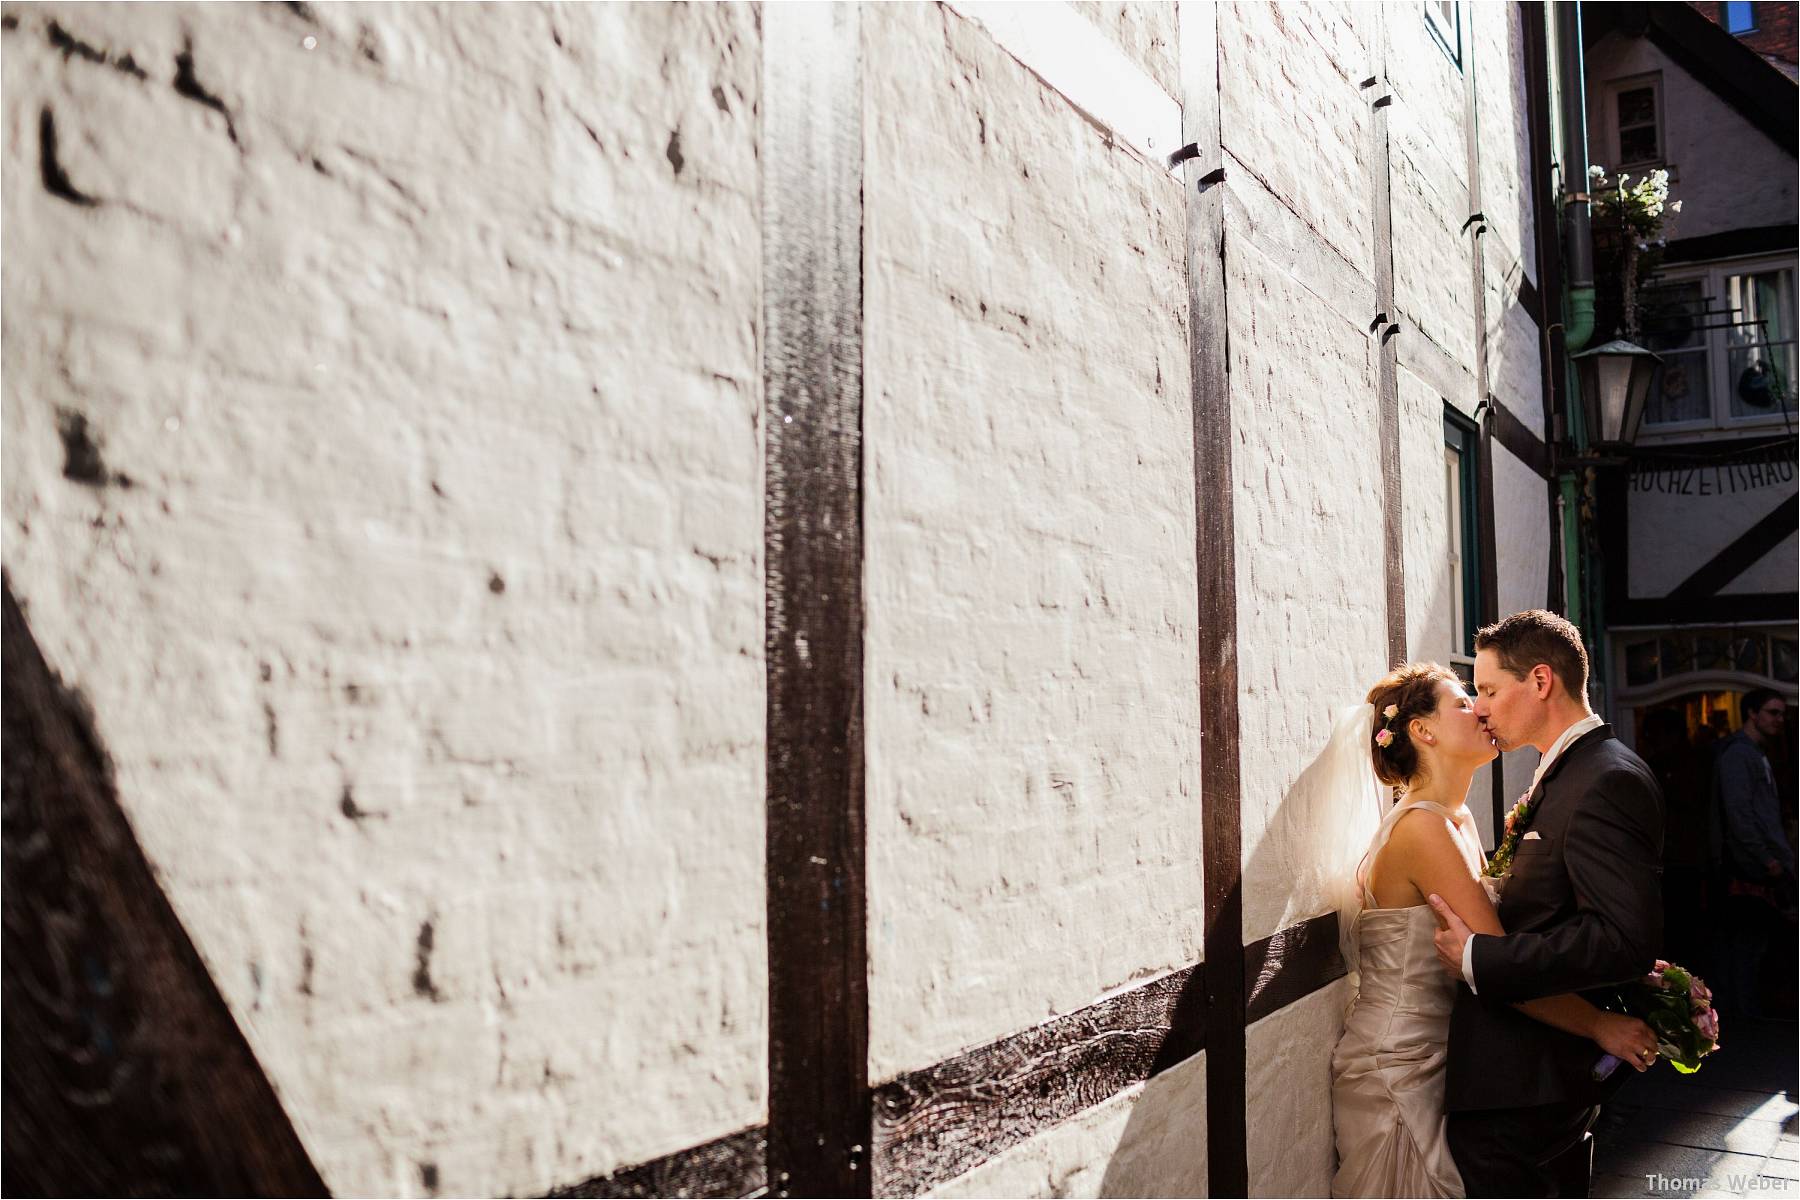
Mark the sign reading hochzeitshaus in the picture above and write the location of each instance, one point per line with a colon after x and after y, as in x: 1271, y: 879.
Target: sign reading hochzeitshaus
x: 1773, y: 468
x: 1711, y: 533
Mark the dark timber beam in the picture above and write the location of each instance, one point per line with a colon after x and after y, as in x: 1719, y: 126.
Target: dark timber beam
x: 1215, y: 552
x: 125, y: 1073
x: 818, y: 1132
x: 1379, y: 92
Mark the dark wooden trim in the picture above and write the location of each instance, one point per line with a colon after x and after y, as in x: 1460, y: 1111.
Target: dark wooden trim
x: 1291, y: 965
x: 1228, y: 1169
x: 1552, y: 349
x: 1530, y: 300
x: 1756, y: 448
x: 1519, y: 440
x: 934, y: 1124
x: 1740, y: 554
x: 1733, y: 243
x: 734, y: 1165
x: 813, y: 550
x: 125, y: 1073
x: 1387, y: 381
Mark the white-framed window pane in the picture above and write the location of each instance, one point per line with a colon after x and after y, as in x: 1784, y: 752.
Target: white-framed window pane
x: 1681, y: 391
x: 1638, y: 140
x: 1669, y: 318
x: 1760, y: 362
x: 1637, y: 106
x: 1762, y: 380
x: 1762, y: 304
x: 1445, y: 19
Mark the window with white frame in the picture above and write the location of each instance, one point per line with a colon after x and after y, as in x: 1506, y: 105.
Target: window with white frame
x: 1445, y: 20
x: 1726, y: 333
x: 1634, y: 114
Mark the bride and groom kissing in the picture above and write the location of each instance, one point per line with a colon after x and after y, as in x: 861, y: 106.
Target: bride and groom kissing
x: 1466, y: 1062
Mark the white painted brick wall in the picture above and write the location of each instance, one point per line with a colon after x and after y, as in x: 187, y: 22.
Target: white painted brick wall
x: 1145, y: 30
x: 1292, y: 1149
x: 1311, y: 601
x: 1313, y: 154
x: 1497, y: 35
x: 1515, y: 351
x: 1149, y: 1140
x: 1032, y: 698
x: 1431, y: 631
x: 497, y: 333
x: 427, y: 639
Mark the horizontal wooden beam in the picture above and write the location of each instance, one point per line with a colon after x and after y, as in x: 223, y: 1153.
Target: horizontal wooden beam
x: 734, y: 1165
x: 933, y: 1124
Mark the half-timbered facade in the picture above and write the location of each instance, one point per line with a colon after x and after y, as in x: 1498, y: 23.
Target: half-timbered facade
x: 725, y: 600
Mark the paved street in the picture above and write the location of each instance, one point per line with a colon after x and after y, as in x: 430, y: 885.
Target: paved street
x: 1728, y: 1130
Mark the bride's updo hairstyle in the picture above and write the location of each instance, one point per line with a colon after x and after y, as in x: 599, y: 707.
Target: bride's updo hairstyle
x: 1413, y: 691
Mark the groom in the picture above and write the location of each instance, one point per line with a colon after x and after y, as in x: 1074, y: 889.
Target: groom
x: 1582, y: 909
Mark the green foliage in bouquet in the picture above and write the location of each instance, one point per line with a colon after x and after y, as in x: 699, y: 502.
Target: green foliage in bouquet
x: 1677, y: 1005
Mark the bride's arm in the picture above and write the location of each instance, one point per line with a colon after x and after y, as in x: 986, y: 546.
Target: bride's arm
x: 1434, y: 864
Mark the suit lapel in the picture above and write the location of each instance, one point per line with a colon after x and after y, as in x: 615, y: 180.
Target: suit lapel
x: 1595, y: 736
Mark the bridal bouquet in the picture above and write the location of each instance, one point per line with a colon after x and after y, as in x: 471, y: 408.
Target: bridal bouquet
x: 1678, y: 1005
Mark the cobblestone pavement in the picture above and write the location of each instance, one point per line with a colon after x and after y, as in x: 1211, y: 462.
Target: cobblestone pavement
x: 1728, y: 1130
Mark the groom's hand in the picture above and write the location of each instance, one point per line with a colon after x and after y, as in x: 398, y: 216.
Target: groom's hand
x: 1451, y: 939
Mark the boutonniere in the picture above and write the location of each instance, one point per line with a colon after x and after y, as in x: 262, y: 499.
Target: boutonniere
x: 1516, y: 820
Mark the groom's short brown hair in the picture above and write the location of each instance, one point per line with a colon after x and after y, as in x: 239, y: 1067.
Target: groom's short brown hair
x: 1534, y: 636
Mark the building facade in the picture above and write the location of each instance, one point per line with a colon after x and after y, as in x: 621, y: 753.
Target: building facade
x: 626, y: 600
x: 1698, y: 528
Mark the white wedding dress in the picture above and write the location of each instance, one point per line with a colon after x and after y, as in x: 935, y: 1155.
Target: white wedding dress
x: 1388, y: 1069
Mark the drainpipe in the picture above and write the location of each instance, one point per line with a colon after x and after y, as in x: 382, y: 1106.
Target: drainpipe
x: 1578, y: 233
x: 1578, y: 297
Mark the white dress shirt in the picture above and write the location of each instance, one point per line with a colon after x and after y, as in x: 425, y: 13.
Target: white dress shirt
x: 1557, y: 747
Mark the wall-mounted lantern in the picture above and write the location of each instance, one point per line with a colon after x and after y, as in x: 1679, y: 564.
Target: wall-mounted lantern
x: 1615, y: 386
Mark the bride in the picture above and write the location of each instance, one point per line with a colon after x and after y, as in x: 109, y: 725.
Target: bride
x: 1420, y: 730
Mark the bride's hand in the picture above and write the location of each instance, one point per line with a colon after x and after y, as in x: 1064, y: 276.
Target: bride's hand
x: 1626, y: 1038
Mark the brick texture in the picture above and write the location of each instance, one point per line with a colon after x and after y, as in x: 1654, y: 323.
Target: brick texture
x: 1775, y: 35
x: 382, y: 464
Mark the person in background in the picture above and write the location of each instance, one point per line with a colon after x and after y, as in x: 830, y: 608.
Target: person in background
x: 1686, y: 778
x: 1751, y: 851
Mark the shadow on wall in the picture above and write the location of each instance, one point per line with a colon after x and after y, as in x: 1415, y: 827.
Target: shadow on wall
x: 1163, y: 1149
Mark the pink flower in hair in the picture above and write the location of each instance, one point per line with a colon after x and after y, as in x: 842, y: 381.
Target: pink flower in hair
x: 1384, y: 738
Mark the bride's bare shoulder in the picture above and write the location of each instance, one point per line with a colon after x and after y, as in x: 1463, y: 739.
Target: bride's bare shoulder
x: 1422, y: 829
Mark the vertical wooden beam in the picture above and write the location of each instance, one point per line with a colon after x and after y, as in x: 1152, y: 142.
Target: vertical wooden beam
x: 813, y: 552
x: 1387, y: 377
x: 1215, y: 553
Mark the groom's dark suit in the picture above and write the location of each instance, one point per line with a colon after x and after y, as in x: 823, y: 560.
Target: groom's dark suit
x: 1582, y: 910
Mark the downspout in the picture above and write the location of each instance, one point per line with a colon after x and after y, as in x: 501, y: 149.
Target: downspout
x: 1578, y: 233
x: 1578, y: 299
